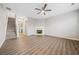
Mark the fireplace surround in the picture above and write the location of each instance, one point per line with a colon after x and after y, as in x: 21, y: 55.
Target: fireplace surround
x: 39, y: 30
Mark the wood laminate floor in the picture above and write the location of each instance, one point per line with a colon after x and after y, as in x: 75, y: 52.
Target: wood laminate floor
x: 40, y: 45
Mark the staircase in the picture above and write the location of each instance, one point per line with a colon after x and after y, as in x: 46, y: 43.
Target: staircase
x: 11, y: 29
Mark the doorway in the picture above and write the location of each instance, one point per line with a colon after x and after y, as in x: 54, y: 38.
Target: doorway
x: 21, y: 26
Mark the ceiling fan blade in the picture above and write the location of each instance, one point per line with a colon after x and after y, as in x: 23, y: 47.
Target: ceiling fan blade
x: 48, y: 10
x: 44, y: 13
x: 38, y: 9
x: 73, y: 3
x: 8, y: 8
x: 38, y: 12
x: 44, y: 6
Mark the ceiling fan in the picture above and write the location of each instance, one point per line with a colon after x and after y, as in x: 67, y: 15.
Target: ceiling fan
x: 43, y: 10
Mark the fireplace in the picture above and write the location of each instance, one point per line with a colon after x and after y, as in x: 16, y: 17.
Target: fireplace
x: 39, y: 31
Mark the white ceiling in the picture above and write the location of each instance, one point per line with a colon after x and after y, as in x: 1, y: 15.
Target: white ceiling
x: 28, y: 9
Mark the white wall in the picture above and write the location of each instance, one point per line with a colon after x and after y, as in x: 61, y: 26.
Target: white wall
x: 10, y: 14
x: 3, y: 24
x: 64, y: 25
x: 30, y: 26
x: 78, y: 25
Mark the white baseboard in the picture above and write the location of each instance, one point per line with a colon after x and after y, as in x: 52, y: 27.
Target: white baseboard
x: 2, y: 43
x: 61, y: 37
x: 64, y: 37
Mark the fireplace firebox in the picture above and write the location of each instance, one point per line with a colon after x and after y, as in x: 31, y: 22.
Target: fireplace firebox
x: 39, y: 31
